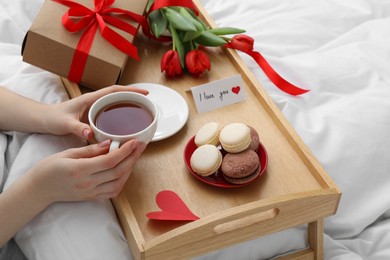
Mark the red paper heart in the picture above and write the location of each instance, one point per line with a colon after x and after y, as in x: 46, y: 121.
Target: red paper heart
x: 173, y: 208
x: 236, y: 89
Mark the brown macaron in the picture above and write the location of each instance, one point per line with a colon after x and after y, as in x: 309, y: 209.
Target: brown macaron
x: 240, y: 168
x: 255, y: 139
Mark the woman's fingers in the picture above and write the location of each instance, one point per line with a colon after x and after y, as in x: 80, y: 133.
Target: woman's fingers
x: 80, y: 129
x: 96, y: 158
x: 112, y: 181
x: 122, y: 168
x: 79, y: 125
x: 97, y: 171
x: 111, y: 188
x: 89, y: 151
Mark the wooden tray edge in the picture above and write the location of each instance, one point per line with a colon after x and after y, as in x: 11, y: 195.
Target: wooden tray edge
x: 250, y: 221
x: 132, y: 231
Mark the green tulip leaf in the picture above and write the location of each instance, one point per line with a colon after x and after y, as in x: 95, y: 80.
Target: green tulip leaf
x: 195, y: 21
x: 175, y: 8
x: 192, y: 13
x: 158, y: 23
x: 189, y: 36
x: 207, y: 38
x: 178, y: 21
x: 226, y: 30
x: 149, y: 4
x: 188, y: 46
x: 177, y: 44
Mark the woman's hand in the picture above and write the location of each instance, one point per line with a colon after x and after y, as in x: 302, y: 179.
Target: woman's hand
x: 73, y: 175
x: 85, y: 173
x: 71, y: 116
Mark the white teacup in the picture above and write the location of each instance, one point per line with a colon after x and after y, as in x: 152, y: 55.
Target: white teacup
x: 144, y: 135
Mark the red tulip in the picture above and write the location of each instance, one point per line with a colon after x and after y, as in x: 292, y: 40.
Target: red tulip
x: 197, y: 62
x: 242, y: 42
x: 170, y: 63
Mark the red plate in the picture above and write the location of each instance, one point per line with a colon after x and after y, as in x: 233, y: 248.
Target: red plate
x: 216, y: 179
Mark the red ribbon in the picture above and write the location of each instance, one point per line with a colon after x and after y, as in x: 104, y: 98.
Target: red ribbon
x: 166, y: 3
x: 280, y: 82
x: 89, y: 21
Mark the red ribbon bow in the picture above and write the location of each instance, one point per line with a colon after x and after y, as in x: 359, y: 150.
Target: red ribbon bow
x: 89, y: 21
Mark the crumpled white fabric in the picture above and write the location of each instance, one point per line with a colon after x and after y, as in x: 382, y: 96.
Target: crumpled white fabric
x: 340, y: 50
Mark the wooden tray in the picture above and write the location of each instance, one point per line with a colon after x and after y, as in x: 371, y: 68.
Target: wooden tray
x: 294, y: 190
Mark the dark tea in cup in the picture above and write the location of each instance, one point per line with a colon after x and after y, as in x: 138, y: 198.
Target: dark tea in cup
x: 123, y: 118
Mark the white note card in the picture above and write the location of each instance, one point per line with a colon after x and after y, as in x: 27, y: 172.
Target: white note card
x: 218, y: 93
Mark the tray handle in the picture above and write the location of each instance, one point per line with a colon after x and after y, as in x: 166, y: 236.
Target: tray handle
x: 243, y: 223
x: 246, y: 221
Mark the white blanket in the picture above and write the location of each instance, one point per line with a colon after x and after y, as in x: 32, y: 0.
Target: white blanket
x: 340, y: 50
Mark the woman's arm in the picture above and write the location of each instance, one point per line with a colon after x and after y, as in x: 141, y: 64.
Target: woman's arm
x: 20, y: 113
x: 76, y: 174
x: 18, y: 205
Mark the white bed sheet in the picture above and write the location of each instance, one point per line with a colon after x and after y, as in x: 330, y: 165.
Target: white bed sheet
x: 340, y: 50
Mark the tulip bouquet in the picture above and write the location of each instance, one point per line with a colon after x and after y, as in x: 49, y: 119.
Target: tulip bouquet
x: 176, y: 21
x: 188, y: 35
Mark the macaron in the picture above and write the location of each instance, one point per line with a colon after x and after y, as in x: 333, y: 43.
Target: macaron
x: 208, y: 134
x: 240, y: 168
x: 235, y: 137
x: 255, y: 139
x: 206, y: 160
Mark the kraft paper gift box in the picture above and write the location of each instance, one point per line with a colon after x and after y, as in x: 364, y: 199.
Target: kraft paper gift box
x: 50, y: 46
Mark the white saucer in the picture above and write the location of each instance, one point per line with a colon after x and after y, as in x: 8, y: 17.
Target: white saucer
x: 173, y: 109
